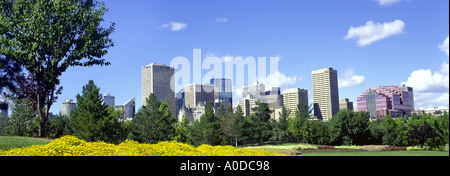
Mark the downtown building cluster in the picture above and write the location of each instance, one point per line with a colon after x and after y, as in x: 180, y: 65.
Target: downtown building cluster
x: 192, y: 101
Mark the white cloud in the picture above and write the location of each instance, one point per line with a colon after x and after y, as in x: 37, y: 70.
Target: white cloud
x: 430, y: 89
x: 429, y: 100
x: 426, y: 82
x: 444, y: 46
x: 372, y: 32
x: 387, y: 2
x: 221, y: 20
x: 175, y: 26
x: 279, y: 79
x: 350, y: 79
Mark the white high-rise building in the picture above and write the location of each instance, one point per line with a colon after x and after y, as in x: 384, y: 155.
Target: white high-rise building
x: 158, y: 79
x: 292, y: 97
x: 67, y: 107
x: 325, y: 93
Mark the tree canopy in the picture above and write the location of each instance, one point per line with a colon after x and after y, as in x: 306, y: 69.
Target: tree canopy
x: 46, y: 37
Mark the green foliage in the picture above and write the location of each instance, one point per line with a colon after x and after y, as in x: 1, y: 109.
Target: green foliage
x: 210, y: 125
x: 153, y: 122
x: 21, y: 120
x: 92, y: 120
x: 428, y: 131
x: 299, y: 125
x: 280, y: 130
x: 257, y: 126
x: 181, y: 131
x: 46, y: 37
x: 348, y: 127
x: 230, y: 125
x: 58, y: 126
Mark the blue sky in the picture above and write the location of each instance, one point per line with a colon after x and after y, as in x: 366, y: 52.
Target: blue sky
x: 371, y: 43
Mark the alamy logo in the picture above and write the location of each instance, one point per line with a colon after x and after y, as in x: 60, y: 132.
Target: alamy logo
x: 225, y: 67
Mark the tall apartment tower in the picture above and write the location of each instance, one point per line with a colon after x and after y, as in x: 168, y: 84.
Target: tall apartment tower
x: 157, y: 79
x: 325, y: 93
x: 198, y: 93
x: 292, y: 97
x: 67, y: 107
x: 109, y: 100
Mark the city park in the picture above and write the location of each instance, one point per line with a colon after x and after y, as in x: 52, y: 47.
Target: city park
x: 63, y: 34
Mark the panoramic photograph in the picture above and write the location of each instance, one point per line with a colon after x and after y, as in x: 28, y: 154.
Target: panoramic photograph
x: 288, y: 78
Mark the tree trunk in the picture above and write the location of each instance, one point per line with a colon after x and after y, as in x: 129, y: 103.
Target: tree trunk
x: 42, y: 116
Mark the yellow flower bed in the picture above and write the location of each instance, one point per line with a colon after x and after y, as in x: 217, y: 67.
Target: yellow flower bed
x: 71, y: 146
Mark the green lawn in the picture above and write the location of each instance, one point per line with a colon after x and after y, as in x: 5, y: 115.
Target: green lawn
x: 382, y: 153
x: 8, y: 142
x: 291, y: 149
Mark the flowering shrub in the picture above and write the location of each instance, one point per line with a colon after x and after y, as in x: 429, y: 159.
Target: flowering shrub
x: 325, y: 147
x: 348, y: 147
x: 307, y: 147
x: 393, y: 148
x: 413, y: 149
x: 71, y: 146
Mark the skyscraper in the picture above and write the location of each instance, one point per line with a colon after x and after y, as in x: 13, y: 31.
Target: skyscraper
x: 325, y: 93
x: 225, y: 90
x: 157, y: 79
x: 385, y: 100
x: 345, y: 104
x: 292, y: 97
x: 198, y: 93
x: 67, y: 107
x: 109, y: 100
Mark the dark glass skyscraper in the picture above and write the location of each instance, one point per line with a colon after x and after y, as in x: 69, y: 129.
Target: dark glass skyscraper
x: 225, y: 87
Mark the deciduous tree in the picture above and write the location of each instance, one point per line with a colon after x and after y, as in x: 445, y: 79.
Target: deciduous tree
x: 46, y: 37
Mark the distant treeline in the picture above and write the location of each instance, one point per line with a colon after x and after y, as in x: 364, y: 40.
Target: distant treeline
x: 94, y: 121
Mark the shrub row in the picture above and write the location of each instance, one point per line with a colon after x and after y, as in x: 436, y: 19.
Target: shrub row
x: 71, y: 146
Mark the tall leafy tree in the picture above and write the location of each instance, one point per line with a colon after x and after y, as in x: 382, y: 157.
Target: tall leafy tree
x: 348, y: 127
x: 153, y: 122
x: 230, y: 126
x: 211, y: 126
x: 239, y: 122
x: 92, y: 120
x: 298, y: 126
x: 46, y: 37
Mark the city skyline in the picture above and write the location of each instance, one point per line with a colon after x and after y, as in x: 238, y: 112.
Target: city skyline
x: 306, y: 36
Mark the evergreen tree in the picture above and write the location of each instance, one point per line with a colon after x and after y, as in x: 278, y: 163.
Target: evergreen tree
x: 92, y: 120
x: 211, y: 126
x: 259, y: 122
x: 181, y: 131
x: 280, y: 130
x: 153, y: 122
x: 22, y: 117
x: 298, y: 125
x: 239, y: 122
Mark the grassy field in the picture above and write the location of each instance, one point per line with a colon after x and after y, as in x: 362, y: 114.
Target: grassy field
x: 8, y: 142
x: 382, y: 153
x: 292, y: 149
